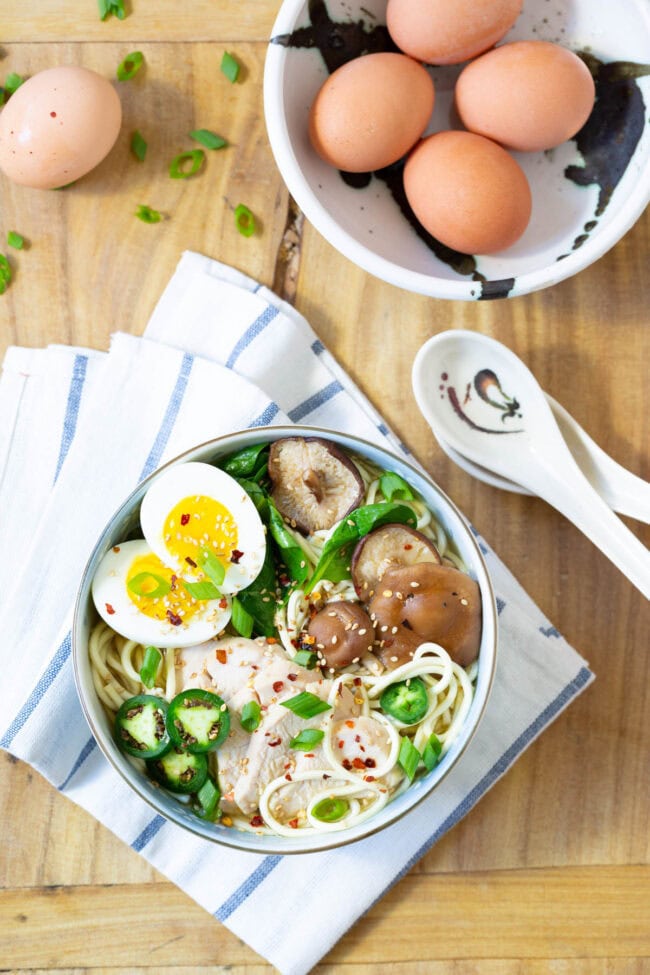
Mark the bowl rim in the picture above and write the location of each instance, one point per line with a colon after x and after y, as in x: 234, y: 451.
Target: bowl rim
x: 430, y: 285
x: 330, y: 840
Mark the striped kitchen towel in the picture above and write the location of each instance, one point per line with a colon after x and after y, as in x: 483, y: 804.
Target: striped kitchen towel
x: 221, y: 353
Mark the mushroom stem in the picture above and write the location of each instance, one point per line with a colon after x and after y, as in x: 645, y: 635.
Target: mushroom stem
x: 312, y: 481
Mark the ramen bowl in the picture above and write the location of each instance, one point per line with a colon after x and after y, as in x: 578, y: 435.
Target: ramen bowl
x: 125, y: 524
x: 586, y: 193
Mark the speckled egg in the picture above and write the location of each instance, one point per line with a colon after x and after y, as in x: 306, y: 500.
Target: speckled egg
x: 58, y: 126
x: 371, y: 111
x: 468, y: 192
x: 529, y: 95
x: 449, y: 31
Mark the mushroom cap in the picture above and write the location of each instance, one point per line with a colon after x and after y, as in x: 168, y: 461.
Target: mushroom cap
x: 427, y: 603
x: 314, y: 483
x: 343, y: 632
x: 386, y: 548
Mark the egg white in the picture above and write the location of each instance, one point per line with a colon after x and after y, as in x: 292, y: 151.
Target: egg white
x: 115, y: 606
x: 196, y: 479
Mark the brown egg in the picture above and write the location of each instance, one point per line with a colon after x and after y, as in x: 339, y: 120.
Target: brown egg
x: 58, y: 126
x: 371, y: 111
x: 529, y: 95
x: 449, y: 31
x: 468, y: 192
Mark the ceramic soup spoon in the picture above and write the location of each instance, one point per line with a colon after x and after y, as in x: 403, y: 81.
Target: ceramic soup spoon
x: 488, y: 407
x: 621, y: 489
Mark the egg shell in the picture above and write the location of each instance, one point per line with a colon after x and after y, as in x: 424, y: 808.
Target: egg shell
x: 58, y: 126
x: 468, y: 192
x: 528, y: 95
x: 118, y: 610
x: 371, y: 111
x: 196, y: 479
x: 449, y: 31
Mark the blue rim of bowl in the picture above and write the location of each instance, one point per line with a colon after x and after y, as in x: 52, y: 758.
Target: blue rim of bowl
x: 425, y: 284
x: 108, y: 747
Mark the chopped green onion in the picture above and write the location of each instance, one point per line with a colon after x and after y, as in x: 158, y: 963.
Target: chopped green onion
x: 251, y: 716
x: 16, y: 240
x: 207, y: 799
x: 392, y: 486
x: 306, y: 705
x: 244, y: 220
x: 208, y: 139
x: 330, y: 810
x: 12, y: 83
x: 306, y: 658
x: 150, y: 665
x: 108, y: 7
x: 130, y: 66
x: 212, y: 567
x: 409, y: 757
x: 5, y: 274
x: 230, y: 67
x: 178, y: 166
x: 307, y: 739
x: 138, y: 146
x: 431, y: 753
x: 241, y: 619
x: 141, y: 585
x: 202, y: 590
x: 147, y: 215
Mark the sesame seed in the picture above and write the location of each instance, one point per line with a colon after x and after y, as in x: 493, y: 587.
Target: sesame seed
x: 334, y: 640
x: 387, y: 593
x: 362, y: 632
x: 464, y: 602
x: 393, y: 660
x: 415, y: 585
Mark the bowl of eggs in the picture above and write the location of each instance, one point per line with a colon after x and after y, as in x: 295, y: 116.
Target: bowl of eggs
x: 285, y: 639
x: 481, y: 149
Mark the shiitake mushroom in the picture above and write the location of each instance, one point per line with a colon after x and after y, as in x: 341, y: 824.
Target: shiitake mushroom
x: 343, y: 632
x: 388, y: 547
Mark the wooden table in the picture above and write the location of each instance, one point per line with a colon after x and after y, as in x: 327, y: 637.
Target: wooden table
x: 550, y: 872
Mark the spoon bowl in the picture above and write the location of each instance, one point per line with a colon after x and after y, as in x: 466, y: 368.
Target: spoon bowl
x: 488, y: 407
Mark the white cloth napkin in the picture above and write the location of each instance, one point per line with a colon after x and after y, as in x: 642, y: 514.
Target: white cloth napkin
x: 78, y: 430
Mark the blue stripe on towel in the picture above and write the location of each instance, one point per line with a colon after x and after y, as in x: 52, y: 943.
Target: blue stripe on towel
x: 72, y: 409
x: 50, y: 674
x: 266, y: 416
x: 244, y: 890
x: 151, y: 829
x: 169, y: 418
x: 87, y: 750
x: 317, y: 347
x: 501, y: 766
x: 311, y: 404
x: 251, y: 333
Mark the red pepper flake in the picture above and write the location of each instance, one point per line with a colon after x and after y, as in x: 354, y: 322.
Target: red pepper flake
x: 368, y: 778
x: 310, y: 755
x: 358, y: 763
x: 190, y: 561
x: 357, y: 681
x: 271, y: 639
x: 116, y: 548
x: 278, y: 685
x: 223, y: 603
x: 274, y: 743
x: 109, y: 609
x: 284, y: 579
x: 326, y: 776
x: 288, y: 777
x: 222, y: 656
x: 173, y: 618
x: 408, y: 546
x: 294, y: 643
x: 350, y: 724
x: 340, y: 744
x: 185, y: 519
x: 256, y: 821
x: 292, y: 676
x: 347, y: 764
x: 370, y: 763
x: 235, y: 556
x: 293, y: 823
x: 288, y: 765
x: 172, y: 581
x: 357, y: 738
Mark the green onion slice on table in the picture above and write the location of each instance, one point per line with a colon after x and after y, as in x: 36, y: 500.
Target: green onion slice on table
x: 187, y: 164
x: 130, y: 66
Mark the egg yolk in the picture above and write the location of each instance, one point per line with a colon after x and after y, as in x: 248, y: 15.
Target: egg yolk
x: 148, y: 575
x: 198, y: 523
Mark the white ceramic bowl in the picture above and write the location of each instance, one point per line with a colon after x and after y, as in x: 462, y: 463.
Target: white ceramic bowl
x: 125, y: 524
x: 565, y: 234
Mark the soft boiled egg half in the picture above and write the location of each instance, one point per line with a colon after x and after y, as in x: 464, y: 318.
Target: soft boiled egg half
x: 145, y: 600
x: 200, y: 522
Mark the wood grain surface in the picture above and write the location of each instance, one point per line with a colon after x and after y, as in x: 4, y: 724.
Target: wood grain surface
x: 549, y: 873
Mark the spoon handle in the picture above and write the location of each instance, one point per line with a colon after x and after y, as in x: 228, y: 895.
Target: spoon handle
x: 570, y: 492
x: 622, y: 490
